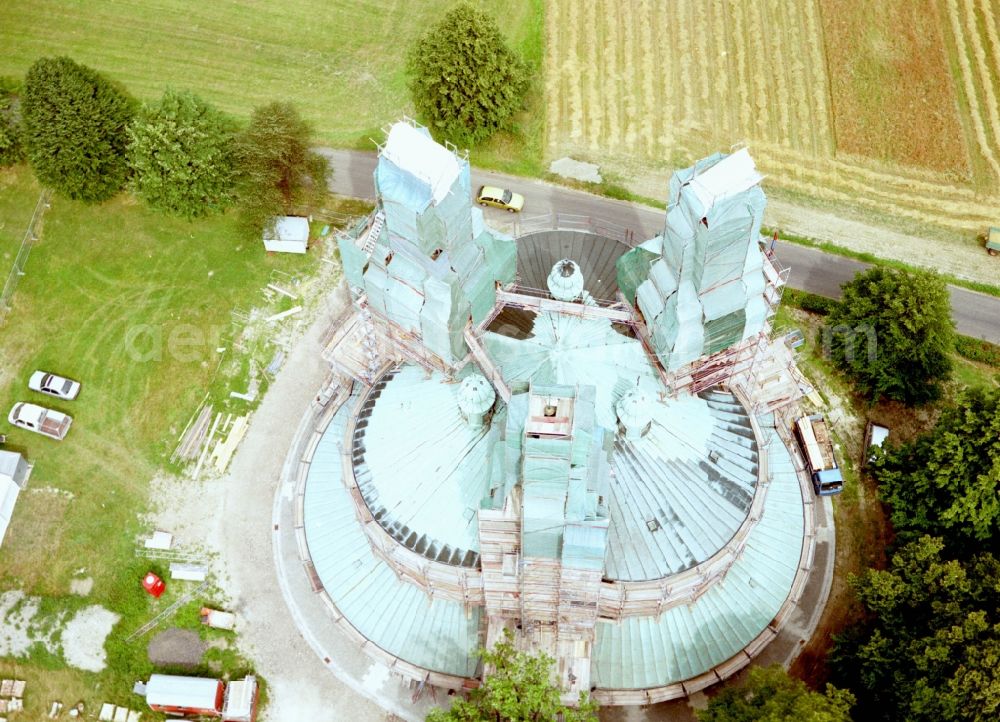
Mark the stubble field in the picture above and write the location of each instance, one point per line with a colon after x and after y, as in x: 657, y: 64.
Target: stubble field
x: 888, y: 109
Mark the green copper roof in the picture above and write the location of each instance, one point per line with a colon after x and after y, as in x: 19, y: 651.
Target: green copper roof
x: 688, y: 640
x: 397, y: 616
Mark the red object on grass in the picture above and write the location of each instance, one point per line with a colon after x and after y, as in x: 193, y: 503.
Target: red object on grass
x: 153, y: 584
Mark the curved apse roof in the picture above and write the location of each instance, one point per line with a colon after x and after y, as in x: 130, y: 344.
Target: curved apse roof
x: 421, y: 468
x: 687, y: 640
x: 679, y: 493
x: 397, y: 616
x: 594, y: 254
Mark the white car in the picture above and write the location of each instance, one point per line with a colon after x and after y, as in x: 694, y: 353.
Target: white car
x: 54, y: 385
x: 43, y: 421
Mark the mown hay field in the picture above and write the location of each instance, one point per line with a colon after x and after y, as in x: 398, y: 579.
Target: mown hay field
x: 342, y: 62
x: 887, y: 108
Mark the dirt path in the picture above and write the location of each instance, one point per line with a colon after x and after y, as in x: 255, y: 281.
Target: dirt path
x: 230, y: 517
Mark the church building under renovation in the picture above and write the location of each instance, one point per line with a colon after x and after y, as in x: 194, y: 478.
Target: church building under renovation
x: 565, y: 435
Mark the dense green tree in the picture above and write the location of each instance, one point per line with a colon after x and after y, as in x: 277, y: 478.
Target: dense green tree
x: 931, y: 650
x: 181, y: 151
x: 276, y: 169
x: 770, y: 695
x: 519, y: 689
x: 947, y: 482
x: 11, y: 128
x: 892, y: 334
x: 76, y: 124
x: 465, y: 82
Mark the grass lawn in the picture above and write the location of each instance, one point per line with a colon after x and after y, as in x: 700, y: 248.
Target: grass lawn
x: 132, y: 304
x: 341, y: 63
x: 18, y: 195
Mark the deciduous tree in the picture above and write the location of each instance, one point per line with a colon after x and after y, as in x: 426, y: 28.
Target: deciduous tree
x: 519, y: 688
x: 76, y: 124
x: 947, y: 482
x: 892, y: 334
x: 931, y: 650
x: 181, y: 151
x: 465, y: 82
x: 770, y: 695
x: 277, y: 170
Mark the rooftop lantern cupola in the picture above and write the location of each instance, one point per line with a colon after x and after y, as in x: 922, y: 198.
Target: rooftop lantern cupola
x: 635, y: 414
x: 475, y: 398
x: 565, y: 281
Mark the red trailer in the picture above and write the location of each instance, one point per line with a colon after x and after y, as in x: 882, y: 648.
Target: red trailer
x: 199, y: 696
x: 185, y: 695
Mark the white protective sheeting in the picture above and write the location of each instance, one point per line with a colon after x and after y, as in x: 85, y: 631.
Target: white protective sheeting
x: 415, y: 152
x: 569, y: 350
x: 733, y: 174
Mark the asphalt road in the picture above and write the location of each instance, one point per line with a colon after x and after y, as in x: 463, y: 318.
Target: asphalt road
x: 975, y: 314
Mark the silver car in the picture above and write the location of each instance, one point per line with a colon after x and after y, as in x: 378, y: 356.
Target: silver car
x: 53, y: 385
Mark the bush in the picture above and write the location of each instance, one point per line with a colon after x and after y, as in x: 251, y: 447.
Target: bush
x: 76, y: 124
x: 811, y: 302
x: 181, y: 152
x: 465, y: 82
x: 978, y: 350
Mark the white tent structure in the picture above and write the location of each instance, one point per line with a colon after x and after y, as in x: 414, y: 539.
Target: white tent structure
x: 14, y: 472
x: 287, y: 234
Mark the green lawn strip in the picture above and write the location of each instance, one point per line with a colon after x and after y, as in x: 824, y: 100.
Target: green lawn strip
x: 19, y: 193
x: 342, y: 64
x: 130, y: 303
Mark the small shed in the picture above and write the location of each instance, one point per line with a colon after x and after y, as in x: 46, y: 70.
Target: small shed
x: 14, y: 473
x: 287, y: 234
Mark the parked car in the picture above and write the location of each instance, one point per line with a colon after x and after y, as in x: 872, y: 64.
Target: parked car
x: 43, y: 421
x: 993, y: 241
x: 53, y: 385
x: 500, y: 198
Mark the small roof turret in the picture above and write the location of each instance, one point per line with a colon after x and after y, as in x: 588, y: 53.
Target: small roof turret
x: 475, y: 395
x: 565, y: 281
x: 635, y: 412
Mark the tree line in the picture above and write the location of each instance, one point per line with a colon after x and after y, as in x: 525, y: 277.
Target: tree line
x: 87, y: 138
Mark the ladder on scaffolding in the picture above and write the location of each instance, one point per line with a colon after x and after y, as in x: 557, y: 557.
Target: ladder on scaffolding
x: 370, y: 238
x: 168, y: 612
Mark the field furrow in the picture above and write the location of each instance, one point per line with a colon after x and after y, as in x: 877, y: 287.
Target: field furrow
x: 610, y: 51
x: 571, y: 70
x: 725, y: 118
x: 649, y: 69
x: 990, y: 19
x: 759, y: 64
x: 626, y: 79
x: 682, y: 46
x: 969, y: 84
x: 819, y: 96
x: 979, y: 52
x: 742, y: 78
x: 778, y: 64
